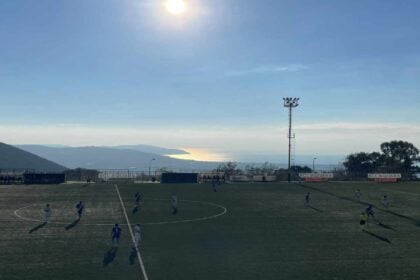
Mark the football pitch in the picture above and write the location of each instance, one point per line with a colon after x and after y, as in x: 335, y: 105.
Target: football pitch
x: 242, y: 231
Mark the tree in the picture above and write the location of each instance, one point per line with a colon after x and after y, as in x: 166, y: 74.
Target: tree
x: 268, y: 168
x: 360, y: 164
x: 300, y: 169
x: 163, y: 170
x: 396, y: 156
x: 229, y: 168
x: 399, y: 156
x: 377, y: 160
x: 265, y: 169
x: 252, y: 169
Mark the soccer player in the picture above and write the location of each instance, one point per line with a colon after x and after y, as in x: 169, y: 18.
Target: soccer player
x: 174, y: 204
x: 218, y: 180
x: 115, y: 235
x: 385, y: 201
x: 79, y: 209
x: 307, y: 199
x: 137, y: 235
x: 369, y: 212
x: 363, y: 220
x: 138, y: 200
x: 213, y: 183
x: 358, y: 194
x: 47, y: 213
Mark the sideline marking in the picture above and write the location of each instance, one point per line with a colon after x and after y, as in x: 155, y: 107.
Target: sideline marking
x: 16, y: 212
x: 143, y: 270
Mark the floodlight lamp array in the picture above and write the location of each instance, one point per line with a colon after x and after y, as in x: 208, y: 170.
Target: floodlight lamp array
x: 291, y: 101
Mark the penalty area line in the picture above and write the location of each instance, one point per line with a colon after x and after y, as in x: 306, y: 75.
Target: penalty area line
x: 143, y: 269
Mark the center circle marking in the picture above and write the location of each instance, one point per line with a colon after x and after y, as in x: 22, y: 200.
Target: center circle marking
x: 223, y: 212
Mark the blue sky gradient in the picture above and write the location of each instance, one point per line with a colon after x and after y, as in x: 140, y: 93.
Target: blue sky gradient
x: 226, y: 64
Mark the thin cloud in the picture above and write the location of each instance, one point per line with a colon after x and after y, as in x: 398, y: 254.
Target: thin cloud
x: 352, y: 126
x: 267, y: 70
x: 147, y: 3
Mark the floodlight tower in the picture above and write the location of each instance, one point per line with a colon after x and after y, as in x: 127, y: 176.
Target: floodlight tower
x: 290, y: 102
x: 150, y: 167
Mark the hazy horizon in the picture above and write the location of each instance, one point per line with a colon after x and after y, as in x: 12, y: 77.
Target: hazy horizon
x: 222, y: 144
x: 208, y: 156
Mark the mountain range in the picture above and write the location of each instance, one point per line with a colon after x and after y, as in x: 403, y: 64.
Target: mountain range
x: 56, y: 158
x: 151, y: 149
x: 12, y: 158
x: 120, y: 157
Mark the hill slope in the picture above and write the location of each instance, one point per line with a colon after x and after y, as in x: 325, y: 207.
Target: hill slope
x: 14, y: 158
x: 113, y: 158
x: 151, y: 149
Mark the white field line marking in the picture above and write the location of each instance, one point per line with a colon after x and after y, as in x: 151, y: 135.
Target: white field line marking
x: 57, y: 223
x: 192, y: 220
x: 224, y: 211
x: 143, y: 270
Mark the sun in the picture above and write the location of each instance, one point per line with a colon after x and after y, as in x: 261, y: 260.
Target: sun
x: 176, y: 7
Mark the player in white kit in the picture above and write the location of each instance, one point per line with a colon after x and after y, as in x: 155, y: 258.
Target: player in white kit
x: 47, y: 213
x: 358, y: 194
x: 385, y: 201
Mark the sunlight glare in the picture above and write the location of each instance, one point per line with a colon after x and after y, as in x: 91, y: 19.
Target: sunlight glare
x: 200, y: 155
x: 176, y: 7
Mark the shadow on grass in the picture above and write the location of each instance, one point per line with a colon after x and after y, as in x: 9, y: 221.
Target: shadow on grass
x: 385, y: 226
x: 414, y: 221
x: 384, y: 239
x: 38, y: 227
x: 135, y: 210
x: 316, y: 209
x: 132, y: 257
x: 72, y: 225
x: 402, y: 216
x: 109, y: 256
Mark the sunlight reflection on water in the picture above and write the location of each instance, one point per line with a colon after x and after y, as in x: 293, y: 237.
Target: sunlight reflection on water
x: 200, y: 155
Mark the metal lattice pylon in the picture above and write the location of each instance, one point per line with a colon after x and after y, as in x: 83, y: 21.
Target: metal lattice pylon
x: 293, y: 149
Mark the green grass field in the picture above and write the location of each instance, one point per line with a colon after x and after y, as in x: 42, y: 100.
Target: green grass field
x: 266, y: 232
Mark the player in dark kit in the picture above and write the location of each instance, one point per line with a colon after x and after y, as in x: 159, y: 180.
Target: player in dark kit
x: 138, y: 200
x: 80, y: 207
x: 307, y: 199
x: 369, y: 212
x: 115, y: 235
x: 213, y: 184
x: 174, y: 204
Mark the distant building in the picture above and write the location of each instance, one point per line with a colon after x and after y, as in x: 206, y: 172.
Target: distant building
x: 178, y: 178
x: 81, y: 174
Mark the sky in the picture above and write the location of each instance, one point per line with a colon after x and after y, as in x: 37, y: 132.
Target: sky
x: 94, y: 72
